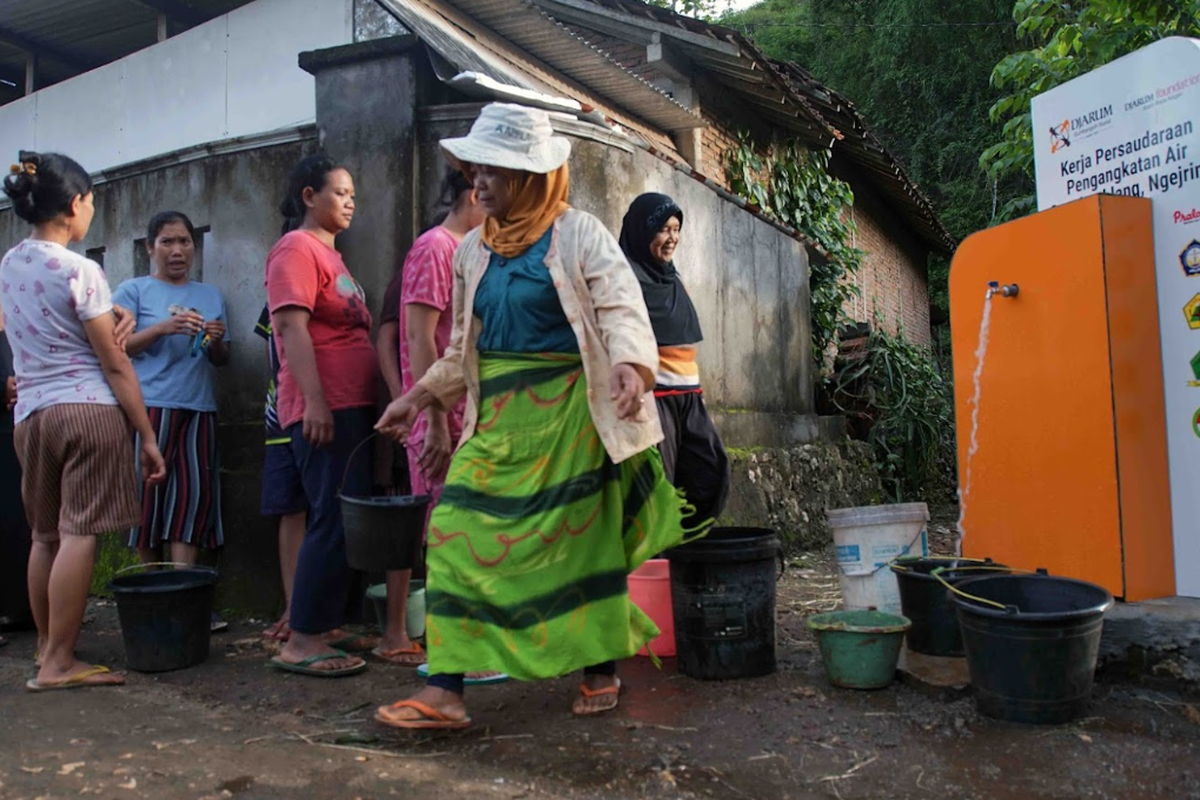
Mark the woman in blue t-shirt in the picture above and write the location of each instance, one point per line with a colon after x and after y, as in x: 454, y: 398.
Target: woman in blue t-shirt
x: 180, y: 337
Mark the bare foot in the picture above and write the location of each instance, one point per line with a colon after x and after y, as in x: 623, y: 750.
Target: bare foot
x: 401, y: 651
x: 77, y: 673
x: 302, y: 645
x: 482, y: 676
x: 350, y: 642
x: 279, y: 632
x: 597, y: 693
x: 446, y: 703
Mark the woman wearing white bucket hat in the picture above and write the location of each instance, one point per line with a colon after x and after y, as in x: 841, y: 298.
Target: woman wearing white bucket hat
x: 556, y: 491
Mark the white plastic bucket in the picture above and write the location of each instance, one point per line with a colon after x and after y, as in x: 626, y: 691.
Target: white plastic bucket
x: 865, y: 539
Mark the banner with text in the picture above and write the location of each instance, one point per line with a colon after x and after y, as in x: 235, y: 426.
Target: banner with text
x: 1132, y: 127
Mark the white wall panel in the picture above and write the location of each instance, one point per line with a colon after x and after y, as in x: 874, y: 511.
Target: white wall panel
x: 174, y: 97
x: 233, y: 76
x: 17, y: 128
x: 82, y: 118
x: 267, y: 90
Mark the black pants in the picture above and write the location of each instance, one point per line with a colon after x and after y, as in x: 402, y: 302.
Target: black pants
x: 323, y: 576
x: 693, y: 456
x: 15, y: 540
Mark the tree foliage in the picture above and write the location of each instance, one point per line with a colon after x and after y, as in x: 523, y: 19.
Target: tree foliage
x: 703, y: 9
x: 918, y: 71
x: 794, y: 185
x: 1069, y: 39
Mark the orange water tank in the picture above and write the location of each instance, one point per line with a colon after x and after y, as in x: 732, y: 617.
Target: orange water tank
x: 1070, y: 473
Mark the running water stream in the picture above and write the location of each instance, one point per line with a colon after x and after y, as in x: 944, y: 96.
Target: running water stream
x: 964, y: 489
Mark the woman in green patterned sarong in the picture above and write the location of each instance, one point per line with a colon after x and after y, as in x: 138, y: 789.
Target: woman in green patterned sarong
x: 556, y: 491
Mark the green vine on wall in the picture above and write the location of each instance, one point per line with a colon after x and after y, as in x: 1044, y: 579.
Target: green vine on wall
x: 792, y: 184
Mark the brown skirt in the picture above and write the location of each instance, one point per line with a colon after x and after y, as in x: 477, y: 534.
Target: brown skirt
x: 78, y: 477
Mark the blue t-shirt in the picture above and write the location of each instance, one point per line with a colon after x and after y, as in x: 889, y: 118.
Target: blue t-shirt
x: 519, y: 307
x: 171, y: 376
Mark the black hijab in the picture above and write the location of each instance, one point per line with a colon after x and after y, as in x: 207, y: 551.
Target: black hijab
x: 672, y: 314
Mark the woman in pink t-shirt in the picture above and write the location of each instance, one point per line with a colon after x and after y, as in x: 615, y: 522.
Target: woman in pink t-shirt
x: 425, y: 321
x: 325, y: 396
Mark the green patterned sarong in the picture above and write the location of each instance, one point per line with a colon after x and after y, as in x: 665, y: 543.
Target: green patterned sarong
x: 537, y: 529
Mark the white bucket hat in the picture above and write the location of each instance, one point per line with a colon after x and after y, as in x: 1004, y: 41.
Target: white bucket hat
x: 512, y: 137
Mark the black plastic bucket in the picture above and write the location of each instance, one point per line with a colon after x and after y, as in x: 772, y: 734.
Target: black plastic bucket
x: 723, y: 596
x: 1034, y: 660
x: 923, y: 598
x: 165, y: 617
x: 383, y: 533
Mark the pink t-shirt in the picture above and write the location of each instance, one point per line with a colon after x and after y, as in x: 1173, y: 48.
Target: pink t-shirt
x: 305, y: 272
x: 427, y: 277
x: 47, y: 293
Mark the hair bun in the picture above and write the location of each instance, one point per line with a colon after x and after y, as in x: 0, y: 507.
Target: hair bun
x: 43, y: 185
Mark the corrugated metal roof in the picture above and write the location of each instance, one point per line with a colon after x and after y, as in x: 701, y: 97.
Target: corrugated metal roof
x: 470, y: 45
x: 70, y: 37
x: 526, y: 26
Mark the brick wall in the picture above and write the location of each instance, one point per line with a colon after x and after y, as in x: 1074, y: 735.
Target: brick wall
x: 892, y: 278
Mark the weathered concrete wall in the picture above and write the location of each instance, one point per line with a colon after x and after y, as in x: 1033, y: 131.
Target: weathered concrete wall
x: 789, y: 489
x: 748, y: 280
x: 366, y: 102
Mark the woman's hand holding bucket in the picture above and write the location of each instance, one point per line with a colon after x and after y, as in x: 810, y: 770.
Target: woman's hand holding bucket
x: 401, y: 414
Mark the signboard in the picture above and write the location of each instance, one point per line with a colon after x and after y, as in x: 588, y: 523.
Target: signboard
x: 1132, y: 127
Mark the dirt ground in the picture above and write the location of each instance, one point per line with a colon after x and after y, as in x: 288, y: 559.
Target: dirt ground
x: 231, y: 728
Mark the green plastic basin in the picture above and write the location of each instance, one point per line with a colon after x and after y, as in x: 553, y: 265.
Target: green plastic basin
x: 859, y: 648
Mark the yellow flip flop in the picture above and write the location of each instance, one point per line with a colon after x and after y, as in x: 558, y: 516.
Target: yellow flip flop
x: 77, y: 681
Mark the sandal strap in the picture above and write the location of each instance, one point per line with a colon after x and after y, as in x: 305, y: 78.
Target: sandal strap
x: 427, y: 711
x: 590, y: 693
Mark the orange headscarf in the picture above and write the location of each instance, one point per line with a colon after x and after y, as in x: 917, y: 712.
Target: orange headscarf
x: 538, y: 200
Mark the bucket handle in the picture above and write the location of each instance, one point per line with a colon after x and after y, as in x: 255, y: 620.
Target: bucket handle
x: 173, y: 564
x: 978, y: 563
x: 350, y: 460
x: 937, y: 573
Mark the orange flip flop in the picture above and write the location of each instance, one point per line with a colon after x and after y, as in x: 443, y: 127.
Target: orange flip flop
x: 396, y: 656
x: 614, y: 690
x: 430, y: 719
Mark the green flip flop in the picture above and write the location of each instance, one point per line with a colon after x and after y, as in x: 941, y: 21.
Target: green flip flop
x: 305, y: 666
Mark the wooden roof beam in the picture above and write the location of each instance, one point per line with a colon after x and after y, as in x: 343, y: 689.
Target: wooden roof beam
x: 174, y: 9
x: 40, y: 49
x: 589, y: 10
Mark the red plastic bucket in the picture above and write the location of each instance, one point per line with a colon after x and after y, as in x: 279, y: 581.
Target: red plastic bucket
x: 650, y: 590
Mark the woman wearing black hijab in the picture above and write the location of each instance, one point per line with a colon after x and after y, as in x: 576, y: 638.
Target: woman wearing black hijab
x: 693, y: 455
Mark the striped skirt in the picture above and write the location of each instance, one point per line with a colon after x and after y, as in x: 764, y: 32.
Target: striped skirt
x: 186, y: 507
x: 537, y: 531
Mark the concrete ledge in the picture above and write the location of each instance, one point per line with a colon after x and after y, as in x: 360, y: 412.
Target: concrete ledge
x: 1154, y: 640
x: 749, y: 428
x: 313, y: 61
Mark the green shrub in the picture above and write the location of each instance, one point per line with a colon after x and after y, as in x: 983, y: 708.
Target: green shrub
x: 897, y: 399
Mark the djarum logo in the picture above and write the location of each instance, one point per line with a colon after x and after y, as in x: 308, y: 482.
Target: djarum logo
x: 1058, y: 136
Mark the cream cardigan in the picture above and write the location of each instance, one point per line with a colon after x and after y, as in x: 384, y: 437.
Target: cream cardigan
x: 603, y: 303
